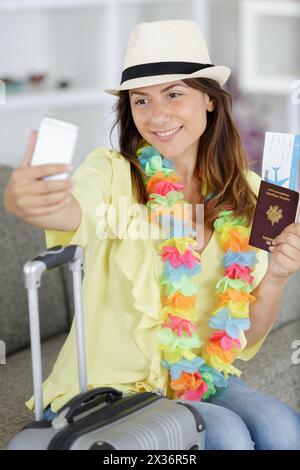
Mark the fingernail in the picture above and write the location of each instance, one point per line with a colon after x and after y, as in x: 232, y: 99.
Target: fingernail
x: 271, y: 248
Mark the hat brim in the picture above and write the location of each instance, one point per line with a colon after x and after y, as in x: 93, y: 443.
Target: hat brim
x: 220, y: 73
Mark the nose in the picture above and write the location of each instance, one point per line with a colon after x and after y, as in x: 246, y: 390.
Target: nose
x: 159, y: 115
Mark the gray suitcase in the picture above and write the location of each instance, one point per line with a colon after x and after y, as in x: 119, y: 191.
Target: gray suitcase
x: 101, y: 418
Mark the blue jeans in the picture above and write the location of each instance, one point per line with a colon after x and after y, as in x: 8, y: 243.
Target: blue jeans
x: 241, y: 418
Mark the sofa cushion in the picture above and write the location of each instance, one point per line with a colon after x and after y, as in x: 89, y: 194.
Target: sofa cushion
x: 16, y: 387
x: 289, y: 309
x: 20, y: 242
x: 273, y: 369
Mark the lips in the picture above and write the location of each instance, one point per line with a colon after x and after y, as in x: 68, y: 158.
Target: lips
x: 167, y: 130
x: 168, y: 137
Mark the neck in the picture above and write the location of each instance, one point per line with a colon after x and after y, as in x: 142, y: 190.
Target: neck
x: 185, y: 169
x: 187, y: 178
x: 191, y: 182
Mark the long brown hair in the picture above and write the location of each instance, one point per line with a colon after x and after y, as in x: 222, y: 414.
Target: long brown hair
x: 221, y: 157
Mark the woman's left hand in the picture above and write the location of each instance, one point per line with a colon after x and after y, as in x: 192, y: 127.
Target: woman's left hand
x: 285, y: 259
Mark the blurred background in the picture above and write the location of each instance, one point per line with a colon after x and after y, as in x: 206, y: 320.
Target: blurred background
x: 57, y: 57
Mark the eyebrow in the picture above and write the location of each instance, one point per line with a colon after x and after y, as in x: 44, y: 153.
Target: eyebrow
x: 164, y: 89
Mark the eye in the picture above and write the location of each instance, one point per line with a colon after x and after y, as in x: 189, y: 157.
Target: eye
x: 172, y: 93
x: 138, y: 101
x: 175, y: 93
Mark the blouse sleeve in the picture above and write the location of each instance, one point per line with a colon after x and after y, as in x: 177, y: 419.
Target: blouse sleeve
x: 248, y: 352
x: 92, y: 183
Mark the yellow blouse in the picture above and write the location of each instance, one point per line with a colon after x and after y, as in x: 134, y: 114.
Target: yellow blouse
x: 121, y: 294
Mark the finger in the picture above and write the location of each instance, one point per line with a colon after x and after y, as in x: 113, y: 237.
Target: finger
x: 291, y: 254
x: 286, y: 265
x: 33, y: 211
x: 41, y: 211
x: 289, y: 238
x: 280, y: 263
x: 45, y: 200
x: 292, y: 228
x: 30, y: 148
x: 44, y: 187
x: 39, y: 171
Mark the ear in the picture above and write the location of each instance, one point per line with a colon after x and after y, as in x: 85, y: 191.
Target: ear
x: 209, y: 103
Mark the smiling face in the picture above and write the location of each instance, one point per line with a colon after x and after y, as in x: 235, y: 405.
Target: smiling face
x: 171, y: 106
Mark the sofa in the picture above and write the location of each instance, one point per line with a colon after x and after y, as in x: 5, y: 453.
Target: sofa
x: 272, y: 370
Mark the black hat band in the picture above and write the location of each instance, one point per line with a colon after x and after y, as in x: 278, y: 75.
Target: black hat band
x: 162, y: 68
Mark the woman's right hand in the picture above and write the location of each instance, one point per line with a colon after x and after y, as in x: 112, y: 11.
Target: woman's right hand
x: 27, y: 195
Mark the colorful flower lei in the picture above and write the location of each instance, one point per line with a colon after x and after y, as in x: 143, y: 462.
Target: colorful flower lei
x: 197, y: 376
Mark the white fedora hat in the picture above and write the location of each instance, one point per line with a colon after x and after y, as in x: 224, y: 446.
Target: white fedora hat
x: 165, y: 51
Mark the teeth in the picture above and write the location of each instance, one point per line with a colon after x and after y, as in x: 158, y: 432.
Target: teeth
x: 163, y: 134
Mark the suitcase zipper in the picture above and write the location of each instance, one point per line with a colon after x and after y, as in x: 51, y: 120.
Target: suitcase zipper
x: 113, y: 412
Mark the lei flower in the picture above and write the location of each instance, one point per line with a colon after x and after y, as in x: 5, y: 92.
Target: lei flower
x: 197, y: 375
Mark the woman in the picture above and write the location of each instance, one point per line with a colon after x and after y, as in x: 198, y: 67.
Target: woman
x: 169, y: 315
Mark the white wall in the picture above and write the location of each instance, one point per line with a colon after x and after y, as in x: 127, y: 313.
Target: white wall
x: 87, y: 45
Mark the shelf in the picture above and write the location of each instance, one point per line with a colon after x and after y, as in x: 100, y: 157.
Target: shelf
x: 269, y: 55
x: 72, y: 41
x: 19, y: 5
x: 55, y: 98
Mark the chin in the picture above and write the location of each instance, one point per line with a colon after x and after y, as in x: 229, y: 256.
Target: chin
x: 170, y: 151
x: 173, y: 154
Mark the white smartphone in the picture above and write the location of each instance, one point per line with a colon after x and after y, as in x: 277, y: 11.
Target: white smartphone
x: 55, y: 143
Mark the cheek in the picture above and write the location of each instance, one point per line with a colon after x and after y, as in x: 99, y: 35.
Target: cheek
x: 194, y: 113
x: 140, y: 125
x: 197, y: 123
x: 139, y: 120
x: 200, y: 123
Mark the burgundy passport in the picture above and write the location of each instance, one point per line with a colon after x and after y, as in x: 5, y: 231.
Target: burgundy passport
x: 275, y: 209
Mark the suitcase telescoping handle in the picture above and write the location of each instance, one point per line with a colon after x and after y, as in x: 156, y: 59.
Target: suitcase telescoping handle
x: 33, y: 270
